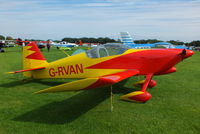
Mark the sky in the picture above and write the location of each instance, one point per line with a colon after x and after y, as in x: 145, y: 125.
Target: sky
x: 143, y: 19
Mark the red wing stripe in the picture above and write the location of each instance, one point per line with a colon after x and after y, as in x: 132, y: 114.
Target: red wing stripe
x: 29, y: 70
x: 112, y: 79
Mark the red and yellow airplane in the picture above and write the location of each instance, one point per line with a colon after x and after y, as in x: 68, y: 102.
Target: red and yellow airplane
x: 102, y: 66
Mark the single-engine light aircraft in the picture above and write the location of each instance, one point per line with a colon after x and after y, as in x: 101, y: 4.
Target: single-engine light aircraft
x: 102, y: 66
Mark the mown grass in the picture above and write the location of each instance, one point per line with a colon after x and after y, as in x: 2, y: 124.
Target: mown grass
x: 174, y: 107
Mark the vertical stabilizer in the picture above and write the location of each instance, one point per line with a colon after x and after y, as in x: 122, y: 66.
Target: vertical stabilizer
x: 126, y: 38
x: 32, y: 57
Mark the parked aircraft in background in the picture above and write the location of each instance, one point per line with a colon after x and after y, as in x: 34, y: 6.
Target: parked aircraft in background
x: 128, y: 40
x: 64, y: 44
x: 169, y: 45
x: 102, y: 66
x: 42, y: 44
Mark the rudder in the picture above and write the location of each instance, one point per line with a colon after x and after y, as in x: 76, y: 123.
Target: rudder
x: 126, y: 38
x: 32, y: 57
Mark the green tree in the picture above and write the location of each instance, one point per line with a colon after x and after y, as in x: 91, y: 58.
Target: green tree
x: 149, y: 41
x: 195, y: 43
x: 176, y: 42
x: 9, y: 38
x: 140, y: 41
x: 2, y: 37
x: 100, y: 40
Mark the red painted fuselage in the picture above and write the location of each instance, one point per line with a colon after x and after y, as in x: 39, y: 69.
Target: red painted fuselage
x: 155, y: 61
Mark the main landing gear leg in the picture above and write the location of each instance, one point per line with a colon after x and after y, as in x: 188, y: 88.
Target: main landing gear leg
x: 140, y: 96
x: 139, y: 84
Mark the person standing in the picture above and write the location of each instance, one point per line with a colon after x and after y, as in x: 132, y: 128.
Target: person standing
x: 1, y: 47
x: 48, y: 45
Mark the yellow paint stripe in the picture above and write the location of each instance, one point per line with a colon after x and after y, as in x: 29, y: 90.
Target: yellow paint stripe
x: 126, y: 96
x: 139, y: 83
x: 71, y: 86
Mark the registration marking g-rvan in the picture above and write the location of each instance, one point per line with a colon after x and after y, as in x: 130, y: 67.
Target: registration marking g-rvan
x: 66, y: 70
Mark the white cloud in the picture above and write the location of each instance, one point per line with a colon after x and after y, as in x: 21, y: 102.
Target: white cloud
x: 143, y: 18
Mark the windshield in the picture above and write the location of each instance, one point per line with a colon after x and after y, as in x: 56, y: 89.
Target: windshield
x: 106, y: 50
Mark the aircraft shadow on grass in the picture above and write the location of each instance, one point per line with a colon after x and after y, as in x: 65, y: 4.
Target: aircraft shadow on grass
x: 21, y: 82
x: 13, y: 84
x: 72, y: 108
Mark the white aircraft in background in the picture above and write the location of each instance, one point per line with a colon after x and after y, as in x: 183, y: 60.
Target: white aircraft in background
x: 64, y: 44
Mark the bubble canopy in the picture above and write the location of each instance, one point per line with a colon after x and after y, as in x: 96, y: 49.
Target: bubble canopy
x: 106, y: 50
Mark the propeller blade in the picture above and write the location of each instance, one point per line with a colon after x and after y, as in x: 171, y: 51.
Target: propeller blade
x: 183, y: 52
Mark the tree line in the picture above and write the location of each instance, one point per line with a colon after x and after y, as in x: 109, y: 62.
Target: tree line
x: 5, y: 38
x: 195, y: 43
x: 103, y: 40
x: 151, y: 41
x: 99, y: 40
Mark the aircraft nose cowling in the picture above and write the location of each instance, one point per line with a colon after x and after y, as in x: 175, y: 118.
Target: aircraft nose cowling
x: 187, y: 53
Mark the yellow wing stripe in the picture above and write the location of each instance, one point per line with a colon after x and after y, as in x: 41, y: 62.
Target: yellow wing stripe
x: 71, y: 86
x: 126, y: 97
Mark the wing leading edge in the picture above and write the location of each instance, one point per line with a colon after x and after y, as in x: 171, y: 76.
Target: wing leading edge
x: 90, y: 83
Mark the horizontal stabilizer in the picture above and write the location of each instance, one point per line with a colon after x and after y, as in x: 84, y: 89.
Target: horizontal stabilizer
x: 32, y: 69
x: 90, y: 83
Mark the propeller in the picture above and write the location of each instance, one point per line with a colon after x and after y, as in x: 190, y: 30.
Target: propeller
x: 183, y: 52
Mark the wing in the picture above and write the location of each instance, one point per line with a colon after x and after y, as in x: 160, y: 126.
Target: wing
x: 90, y: 83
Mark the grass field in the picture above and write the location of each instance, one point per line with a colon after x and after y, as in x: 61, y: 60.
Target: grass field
x: 173, y: 109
